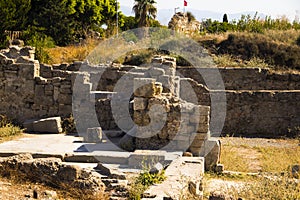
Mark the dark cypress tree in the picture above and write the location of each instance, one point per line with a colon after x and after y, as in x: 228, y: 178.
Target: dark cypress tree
x: 225, y: 18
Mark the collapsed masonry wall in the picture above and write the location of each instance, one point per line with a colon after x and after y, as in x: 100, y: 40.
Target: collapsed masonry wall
x: 166, y: 122
x: 26, y: 95
x: 259, y: 102
x: 245, y: 78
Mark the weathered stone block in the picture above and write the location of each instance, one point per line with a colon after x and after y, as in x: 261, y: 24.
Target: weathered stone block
x: 93, y: 135
x: 158, y: 89
x: 157, y: 60
x: 140, y: 104
x: 200, y: 119
x: 144, y: 87
x: 203, y: 128
x: 65, y: 99
x: 64, y: 109
x: 48, y: 125
x: 155, y: 72
x: 196, y: 188
x: 157, y: 168
x: 145, y: 158
x: 211, y: 152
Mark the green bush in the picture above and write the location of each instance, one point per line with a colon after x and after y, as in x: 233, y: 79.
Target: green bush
x: 254, y: 45
x: 143, y: 181
x: 35, y: 37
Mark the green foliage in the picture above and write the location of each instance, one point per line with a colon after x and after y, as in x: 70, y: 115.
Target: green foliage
x: 13, y: 15
x: 7, y: 129
x: 225, y: 18
x: 34, y: 37
x: 144, y: 11
x: 190, y: 16
x: 147, y: 179
x: 129, y: 23
x: 63, y: 20
x: 247, y: 46
x: 143, y: 181
x: 130, y: 36
x: 53, y: 18
x: 249, y: 24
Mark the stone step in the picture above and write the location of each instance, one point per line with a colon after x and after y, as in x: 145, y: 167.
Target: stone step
x: 113, y: 133
x: 110, y: 157
x: 109, y: 181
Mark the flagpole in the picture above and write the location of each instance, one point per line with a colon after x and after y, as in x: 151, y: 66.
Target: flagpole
x: 117, y: 18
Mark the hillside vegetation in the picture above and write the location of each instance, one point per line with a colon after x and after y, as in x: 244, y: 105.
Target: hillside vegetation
x: 65, y: 31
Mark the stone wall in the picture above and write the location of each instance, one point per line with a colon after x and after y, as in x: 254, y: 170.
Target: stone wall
x: 165, y: 121
x: 246, y: 78
x: 24, y: 93
x: 262, y: 113
x: 259, y: 102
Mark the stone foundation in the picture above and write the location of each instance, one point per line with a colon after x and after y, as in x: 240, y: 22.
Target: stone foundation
x: 259, y: 102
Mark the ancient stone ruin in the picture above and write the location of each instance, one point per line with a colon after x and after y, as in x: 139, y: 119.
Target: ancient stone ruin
x: 146, y: 107
x: 181, y: 23
x: 258, y: 101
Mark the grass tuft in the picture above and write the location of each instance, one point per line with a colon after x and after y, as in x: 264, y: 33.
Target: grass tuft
x: 7, y: 129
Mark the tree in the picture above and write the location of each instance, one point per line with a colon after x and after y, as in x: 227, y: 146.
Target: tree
x: 13, y: 15
x: 109, y: 13
x: 190, y: 16
x: 129, y: 23
x: 52, y: 17
x: 225, y: 18
x: 144, y: 11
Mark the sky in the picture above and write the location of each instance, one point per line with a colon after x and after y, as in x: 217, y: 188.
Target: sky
x: 275, y: 8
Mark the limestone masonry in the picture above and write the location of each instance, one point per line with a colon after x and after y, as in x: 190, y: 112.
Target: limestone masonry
x: 258, y: 101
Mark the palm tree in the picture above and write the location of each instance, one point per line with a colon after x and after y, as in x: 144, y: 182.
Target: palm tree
x: 144, y: 11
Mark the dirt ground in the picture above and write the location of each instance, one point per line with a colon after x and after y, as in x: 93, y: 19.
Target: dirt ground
x: 13, y: 190
x: 245, y: 148
x: 252, y: 156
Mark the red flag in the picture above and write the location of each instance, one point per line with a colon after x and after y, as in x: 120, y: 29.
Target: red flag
x: 185, y: 3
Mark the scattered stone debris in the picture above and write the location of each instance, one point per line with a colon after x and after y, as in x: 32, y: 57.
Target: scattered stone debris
x: 50, y: 171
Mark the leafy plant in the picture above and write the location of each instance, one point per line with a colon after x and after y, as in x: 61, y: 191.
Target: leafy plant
x: 143, y: 181
x: 190, y: 16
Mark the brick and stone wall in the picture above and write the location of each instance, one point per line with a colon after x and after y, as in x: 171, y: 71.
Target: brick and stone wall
x: 24, y: 93
x: 258, y: 101
x: 246, y: 78
x: 165, y: 121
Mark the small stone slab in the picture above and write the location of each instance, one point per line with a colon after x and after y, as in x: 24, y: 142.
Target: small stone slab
x: 93, y: 135
x: 48, y: 125
x: 146, y: 158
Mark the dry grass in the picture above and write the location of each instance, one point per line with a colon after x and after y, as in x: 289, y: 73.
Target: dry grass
x: 71, y: 53
x: 272, y: 156
x: 8, y: 131
x: 227, y: 60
